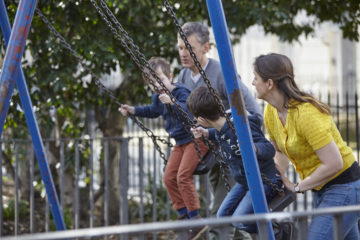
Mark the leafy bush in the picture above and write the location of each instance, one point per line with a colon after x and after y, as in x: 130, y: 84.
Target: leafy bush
x: 9, y: 210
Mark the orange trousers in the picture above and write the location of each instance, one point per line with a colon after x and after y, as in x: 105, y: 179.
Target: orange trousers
x: 178, y: 176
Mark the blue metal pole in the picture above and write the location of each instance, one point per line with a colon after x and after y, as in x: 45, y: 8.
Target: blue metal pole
x: 238, y: 110
x: 33, y: 128
x: 14, y: 54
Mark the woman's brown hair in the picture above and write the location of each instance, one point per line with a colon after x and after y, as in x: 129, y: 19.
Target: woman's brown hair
x: 279, y: 68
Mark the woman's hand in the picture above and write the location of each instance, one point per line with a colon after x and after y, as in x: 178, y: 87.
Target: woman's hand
x: 287, y: 183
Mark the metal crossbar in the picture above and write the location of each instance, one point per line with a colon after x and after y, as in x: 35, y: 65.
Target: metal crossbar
x: 137, y: 229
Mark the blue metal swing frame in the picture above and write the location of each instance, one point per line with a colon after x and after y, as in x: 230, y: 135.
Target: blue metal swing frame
x: 11, y: 72
x: 218, y: 21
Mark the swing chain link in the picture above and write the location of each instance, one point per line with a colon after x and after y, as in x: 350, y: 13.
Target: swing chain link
x: 97, y: 81
x: 211, y: 89
x: 163, y: 141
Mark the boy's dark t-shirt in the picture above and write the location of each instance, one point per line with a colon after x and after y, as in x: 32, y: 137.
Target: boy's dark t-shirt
x: 228, y: 142
x: 170, y: 113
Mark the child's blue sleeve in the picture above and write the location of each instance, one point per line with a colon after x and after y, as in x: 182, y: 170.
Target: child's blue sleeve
x: 212, y: 134
x: 265, y: 150
x: 154, y: 110
x: 181, y: 97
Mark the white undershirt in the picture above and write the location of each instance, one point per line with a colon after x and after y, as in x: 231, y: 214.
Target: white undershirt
x: 198, y: 76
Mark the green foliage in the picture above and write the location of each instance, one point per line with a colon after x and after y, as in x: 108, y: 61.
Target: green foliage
x: 9, y: 210
x: 161, y: 204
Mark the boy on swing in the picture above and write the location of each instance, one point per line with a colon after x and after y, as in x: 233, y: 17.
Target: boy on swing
x: 206, y: 111
x: 178, y: 175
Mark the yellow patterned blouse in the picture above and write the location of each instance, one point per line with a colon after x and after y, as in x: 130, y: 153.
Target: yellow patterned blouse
x: 306, y: 130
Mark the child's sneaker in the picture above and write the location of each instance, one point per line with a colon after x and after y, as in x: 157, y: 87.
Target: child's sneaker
x: 183, y: 217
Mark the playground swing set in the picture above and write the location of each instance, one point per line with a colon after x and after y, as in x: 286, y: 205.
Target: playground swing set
x: 12, y: 72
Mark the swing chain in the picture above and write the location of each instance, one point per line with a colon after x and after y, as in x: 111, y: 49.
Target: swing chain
x: 117, y: 35
x: 109, y: 93
x: 222, y: 163
x: 142, y: 57
x: 164, y: 141
x: 208, y: 83
x: 197, y: 63
x: 273, y: 186
x: 145, y: 73
x: 122, y: 30
x: 127, y: 48
x: 206, y: 80
x: 97, y: 81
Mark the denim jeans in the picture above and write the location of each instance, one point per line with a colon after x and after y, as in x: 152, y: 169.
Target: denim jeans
x: 238, y: 202
x: 219, y: 192
x: 321, y: 227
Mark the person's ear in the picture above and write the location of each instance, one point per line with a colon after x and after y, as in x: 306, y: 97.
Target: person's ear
x: 202, y: 119
x: 206, y: 47
x: 270, y: 84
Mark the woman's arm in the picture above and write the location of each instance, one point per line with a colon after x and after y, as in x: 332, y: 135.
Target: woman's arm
x: 280, y: 159
x: 332, y: 163
x: 282, y: 164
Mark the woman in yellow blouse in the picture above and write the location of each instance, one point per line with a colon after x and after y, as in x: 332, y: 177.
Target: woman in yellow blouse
x: 302, y: 130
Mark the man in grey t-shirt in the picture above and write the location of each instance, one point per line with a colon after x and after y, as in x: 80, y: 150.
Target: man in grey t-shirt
x: 198, y: 36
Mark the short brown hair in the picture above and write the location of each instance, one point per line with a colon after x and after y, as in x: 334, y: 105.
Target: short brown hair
x: 201, y: 103
x: 154, y: 64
